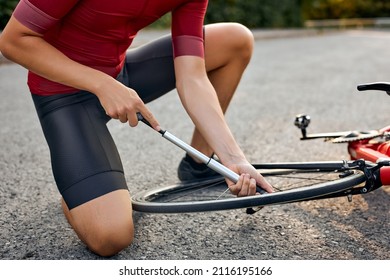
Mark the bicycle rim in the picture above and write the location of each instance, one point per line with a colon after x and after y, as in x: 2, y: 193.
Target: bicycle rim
x: 293, y: 182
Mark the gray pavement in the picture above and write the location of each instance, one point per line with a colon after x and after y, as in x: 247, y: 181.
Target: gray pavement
x: 287, y: 75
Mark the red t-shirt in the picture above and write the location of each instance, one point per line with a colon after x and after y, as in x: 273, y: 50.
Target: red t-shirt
x: 97, y: 33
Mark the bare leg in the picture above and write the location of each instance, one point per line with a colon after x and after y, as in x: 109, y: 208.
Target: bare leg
x: 228, y: 49
x: 104, y: 224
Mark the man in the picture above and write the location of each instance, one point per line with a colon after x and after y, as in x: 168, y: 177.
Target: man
x: 81, y: 76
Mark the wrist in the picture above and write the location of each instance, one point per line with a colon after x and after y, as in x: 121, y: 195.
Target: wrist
x: 229, y: 159
x: 100, y: 83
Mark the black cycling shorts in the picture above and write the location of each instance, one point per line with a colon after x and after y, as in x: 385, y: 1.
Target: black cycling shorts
x: 84, y: 157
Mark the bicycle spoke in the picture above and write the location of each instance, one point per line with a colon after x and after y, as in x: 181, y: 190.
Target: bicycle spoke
x: 296, y: 179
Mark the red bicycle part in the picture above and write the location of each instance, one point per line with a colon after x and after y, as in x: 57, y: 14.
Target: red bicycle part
x: 372, y: 152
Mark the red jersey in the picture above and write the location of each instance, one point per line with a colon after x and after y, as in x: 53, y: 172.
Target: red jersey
x: 97, y: 33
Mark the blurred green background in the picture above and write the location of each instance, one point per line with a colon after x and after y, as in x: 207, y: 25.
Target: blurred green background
x: 268, y: 13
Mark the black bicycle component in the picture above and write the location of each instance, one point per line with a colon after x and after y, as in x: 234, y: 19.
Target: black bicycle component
x: 302, y: 122
x: 293, y: 182
x: 383, y: 162
x: 145, y: 121
x: 372, y: 173
x: 375, y: 86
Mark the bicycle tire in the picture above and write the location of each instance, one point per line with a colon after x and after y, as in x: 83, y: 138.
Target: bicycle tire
x: 159, y: 200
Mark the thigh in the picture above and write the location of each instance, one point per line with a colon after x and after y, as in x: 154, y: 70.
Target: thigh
x: 149, y: 69
x: 84, y: 157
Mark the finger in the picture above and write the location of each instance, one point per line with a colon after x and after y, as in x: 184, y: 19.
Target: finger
x: 123, y: 118
x: 236, y: 187
x: 132, y: 119
x: 111, y: 115
x: 150, y: 118
x: 264, y: 184
x: 252, y: 187
x: 245, y: 185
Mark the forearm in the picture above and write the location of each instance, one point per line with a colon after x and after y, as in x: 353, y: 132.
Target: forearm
x: 200, y: 101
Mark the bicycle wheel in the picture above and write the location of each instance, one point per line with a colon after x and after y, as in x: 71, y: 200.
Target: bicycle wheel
x: 292, y: 182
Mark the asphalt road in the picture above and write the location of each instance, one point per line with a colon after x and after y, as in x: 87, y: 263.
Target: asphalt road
x: 288, y: 75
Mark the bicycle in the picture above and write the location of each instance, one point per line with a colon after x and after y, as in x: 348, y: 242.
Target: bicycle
x: 367, y: 170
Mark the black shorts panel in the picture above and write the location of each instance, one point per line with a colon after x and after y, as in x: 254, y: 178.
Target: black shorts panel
x: 149, y: 69
x: 83, y: 153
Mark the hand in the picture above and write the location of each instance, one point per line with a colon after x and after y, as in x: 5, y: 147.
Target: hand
x: 249, y: 178
x: 123, y: 103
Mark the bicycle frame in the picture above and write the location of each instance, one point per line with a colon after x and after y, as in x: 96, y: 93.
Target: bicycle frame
x: 372, y: 152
